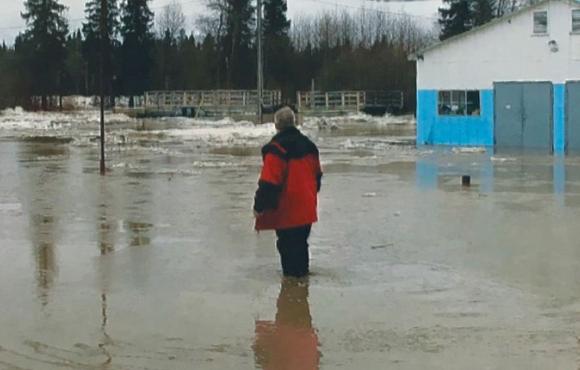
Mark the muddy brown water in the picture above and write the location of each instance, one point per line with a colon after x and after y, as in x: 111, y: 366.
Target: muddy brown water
x: 156, y: 266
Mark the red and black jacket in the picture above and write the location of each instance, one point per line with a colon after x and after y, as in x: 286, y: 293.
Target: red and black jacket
x: 290, y: 180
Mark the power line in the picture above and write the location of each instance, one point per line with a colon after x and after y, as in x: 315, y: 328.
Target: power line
x: 75, y: 20
x: 330, y: 3
x: 387, y: 12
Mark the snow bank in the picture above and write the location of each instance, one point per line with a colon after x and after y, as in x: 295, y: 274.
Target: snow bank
x: 468, y: 150
x: 222, y: 134
x: 189, y: 122
x: 18, y: 119
x: 389, y: 143
x: 351, y: 120
x: 82, y: 128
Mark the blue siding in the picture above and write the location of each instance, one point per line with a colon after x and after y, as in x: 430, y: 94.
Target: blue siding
x: 433, y: 129
x: 559, y: 118
x: 453, y: 130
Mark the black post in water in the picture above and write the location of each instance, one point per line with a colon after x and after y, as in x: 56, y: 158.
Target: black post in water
x: 466, y: 180
x: 260, y: 87
x: 102, y: 79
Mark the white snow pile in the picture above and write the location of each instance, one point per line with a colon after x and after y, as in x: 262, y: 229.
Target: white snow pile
x: 187, y: 122
x: 391, y: 143
x: 18, y: 119
x: 468, y: 150
x: 83, y: 127
x: 222, y: 133
x: 353, y: 120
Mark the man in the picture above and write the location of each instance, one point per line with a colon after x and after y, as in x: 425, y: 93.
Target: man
x: 286, y: 199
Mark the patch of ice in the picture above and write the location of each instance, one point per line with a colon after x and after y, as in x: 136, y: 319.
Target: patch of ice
x: 348, y: 144
x: 18, y: 119
x: 216, y: 164
x: 377, y: 144
x: 334, y: 123
x: 469, y: 150
x: 238, y: 134
x: 191, y: 122
x: 10, y: 207
x: 499, y: 159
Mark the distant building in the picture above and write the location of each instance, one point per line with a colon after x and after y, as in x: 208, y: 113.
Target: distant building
x: 512, y: 83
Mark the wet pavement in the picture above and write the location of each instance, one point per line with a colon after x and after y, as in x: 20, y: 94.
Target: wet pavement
x: 156, y: 266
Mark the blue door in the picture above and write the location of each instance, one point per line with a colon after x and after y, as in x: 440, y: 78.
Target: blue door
x: 573, y: 117
x: 523, y: 115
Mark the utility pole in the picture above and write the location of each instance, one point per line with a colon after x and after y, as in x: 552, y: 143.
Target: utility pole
x: 102, y: 80
x: 260, y: 66
x: 312, y: 92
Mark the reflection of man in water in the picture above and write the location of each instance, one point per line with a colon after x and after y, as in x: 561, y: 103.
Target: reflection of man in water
x: 290, y: 342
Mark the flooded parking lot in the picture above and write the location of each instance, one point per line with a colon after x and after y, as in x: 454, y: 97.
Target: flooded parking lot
x: 156, y: 265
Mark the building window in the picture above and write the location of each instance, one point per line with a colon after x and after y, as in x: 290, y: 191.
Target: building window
x: 459, y: 103
x: 576, y: 20
x: 541, y: 22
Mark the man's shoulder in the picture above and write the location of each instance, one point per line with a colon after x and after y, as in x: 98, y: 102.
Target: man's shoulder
x: 276, y: 148
x: 309, y: 144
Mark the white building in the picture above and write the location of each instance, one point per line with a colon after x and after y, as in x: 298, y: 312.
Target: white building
x: 510, y: 83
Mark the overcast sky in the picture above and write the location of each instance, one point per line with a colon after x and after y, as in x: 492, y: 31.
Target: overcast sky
x: 426, y: 11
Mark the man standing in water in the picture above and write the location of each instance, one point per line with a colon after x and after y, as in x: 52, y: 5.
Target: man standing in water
x: 287, y: 195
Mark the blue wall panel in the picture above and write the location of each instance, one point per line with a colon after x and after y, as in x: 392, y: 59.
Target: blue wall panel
x: 559, y: 118
x: 453, y: 130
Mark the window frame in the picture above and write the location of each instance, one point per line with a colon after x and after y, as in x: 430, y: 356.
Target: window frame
x: 534, y: 31
x: 459, y: 99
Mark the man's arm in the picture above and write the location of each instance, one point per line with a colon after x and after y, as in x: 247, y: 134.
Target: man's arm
x: 271, y: 183
x: 318, y: 169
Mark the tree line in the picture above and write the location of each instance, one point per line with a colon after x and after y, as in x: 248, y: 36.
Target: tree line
x: 142, y: 51
x: 459, y: 16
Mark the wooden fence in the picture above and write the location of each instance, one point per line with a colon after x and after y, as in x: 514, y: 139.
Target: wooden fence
x: 210, y: 100
x: 342, y: 102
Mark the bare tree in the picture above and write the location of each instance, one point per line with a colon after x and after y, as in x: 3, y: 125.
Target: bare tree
x: 363, y: 29
x: 171, y: 20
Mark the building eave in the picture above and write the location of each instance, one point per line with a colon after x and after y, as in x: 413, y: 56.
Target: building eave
x: 418, y: 55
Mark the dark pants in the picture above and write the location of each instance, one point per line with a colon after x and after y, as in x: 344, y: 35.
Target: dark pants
x: 293, y: 248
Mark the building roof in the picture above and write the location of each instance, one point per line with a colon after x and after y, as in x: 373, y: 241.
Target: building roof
x: 489, y: 24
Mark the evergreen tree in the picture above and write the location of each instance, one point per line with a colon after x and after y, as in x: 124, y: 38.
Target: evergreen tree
x: 276, y: 24
x: 170, y: 24
x: 237, y: 44
x: 456, y: 18
x: 45, y: 37
x: 462, y: 15
x: 209, y: 58
x: 277, y: 49
x: 483, y: 12
x: 187, y: 56
x: 92, y: 43
x: 20, y: 70
x: 166, y: 62
x: 137, y: 46
x: 4, y: 89
x: 74, y: 65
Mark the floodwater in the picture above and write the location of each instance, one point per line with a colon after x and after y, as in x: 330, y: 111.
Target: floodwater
x: 156, y: 265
